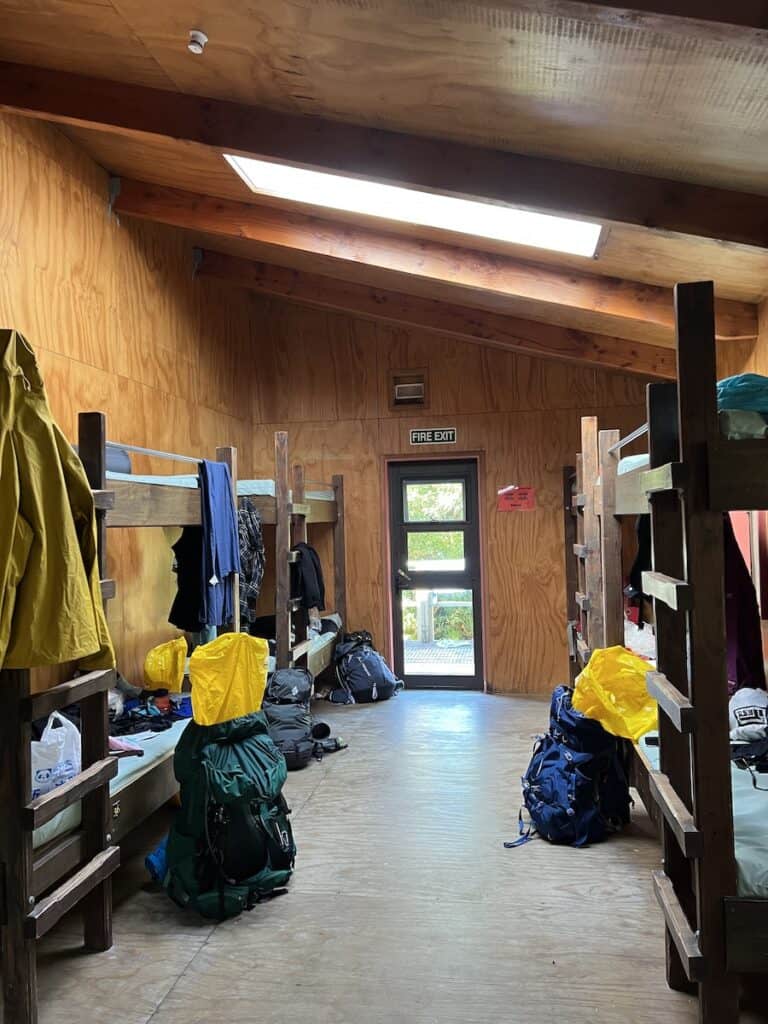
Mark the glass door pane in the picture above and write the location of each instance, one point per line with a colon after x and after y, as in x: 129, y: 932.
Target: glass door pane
x: 436, y: 551
x: 438, y: 632
x: 442, y: 501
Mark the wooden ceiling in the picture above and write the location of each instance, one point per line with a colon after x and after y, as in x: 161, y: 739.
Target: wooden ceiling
x: 655, y: 123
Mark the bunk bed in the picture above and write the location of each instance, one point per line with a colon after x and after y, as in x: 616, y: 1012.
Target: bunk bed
x: 63, y: 847
x: 712, y: 889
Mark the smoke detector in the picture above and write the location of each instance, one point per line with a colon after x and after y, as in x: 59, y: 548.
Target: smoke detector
x: 197, y: 41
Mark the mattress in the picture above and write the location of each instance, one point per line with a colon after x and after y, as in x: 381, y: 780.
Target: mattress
x: 245, y: 488
x: 750, y: 827
x: 156, y: 746
x: 632, y: 462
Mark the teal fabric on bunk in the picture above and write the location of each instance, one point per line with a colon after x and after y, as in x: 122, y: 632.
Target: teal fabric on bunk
x: 750, y: 826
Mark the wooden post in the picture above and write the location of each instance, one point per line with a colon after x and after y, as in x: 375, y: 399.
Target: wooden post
x: 299, y: 536
x: 18, y: 951
x: 339, y: 553
x: 282, y: 548
x: 610, y: 542
x: 668, y: 545
x: 228, y: 455
x: 571, y: 563
x: 592, y: 570
x: 716, y: 869
x: 94, y: 711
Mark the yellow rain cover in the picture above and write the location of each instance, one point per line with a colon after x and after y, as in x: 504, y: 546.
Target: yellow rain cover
x: 164, y: 665
x: 228, y: 676
x: 612, y: 689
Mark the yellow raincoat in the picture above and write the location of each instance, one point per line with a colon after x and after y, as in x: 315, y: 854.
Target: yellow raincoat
x: 50, y: 597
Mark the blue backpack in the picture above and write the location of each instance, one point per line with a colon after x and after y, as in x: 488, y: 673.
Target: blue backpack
x: 575, y: 789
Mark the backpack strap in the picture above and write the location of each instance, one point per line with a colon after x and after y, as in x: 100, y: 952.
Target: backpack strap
x: 526, y: 834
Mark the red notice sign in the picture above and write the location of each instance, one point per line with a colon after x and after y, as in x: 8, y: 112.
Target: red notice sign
x: 516, y: 499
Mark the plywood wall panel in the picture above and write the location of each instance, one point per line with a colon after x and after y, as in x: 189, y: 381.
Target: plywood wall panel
x: 521, y: 415
x: 118, y: 323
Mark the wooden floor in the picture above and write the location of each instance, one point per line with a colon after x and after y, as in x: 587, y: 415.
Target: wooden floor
x: 404, y: 908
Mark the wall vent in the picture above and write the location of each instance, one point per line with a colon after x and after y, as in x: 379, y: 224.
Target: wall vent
x: 408, y: 388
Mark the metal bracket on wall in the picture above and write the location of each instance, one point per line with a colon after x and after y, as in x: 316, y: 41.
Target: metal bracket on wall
x: 114, y: 192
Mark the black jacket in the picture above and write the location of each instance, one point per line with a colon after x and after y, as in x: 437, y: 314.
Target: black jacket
x: 307, y: 578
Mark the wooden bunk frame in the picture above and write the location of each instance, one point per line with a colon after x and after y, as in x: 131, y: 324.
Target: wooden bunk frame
x: 292, y: 512
x: 694, y: 476
x: 81, y: 862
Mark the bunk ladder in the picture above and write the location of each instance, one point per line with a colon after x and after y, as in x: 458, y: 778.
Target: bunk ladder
x: 692, y: 786
x: 292, y: 513
x: 30, y: 905
x: 586, y: 634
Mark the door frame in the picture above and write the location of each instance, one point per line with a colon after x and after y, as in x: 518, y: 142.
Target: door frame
x: 478, y: 457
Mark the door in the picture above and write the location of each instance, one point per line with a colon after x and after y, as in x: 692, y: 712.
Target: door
x: 435, y: 573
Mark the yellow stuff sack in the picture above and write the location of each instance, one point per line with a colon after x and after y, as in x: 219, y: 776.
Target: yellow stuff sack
x: 164, y: 665
x: 228, y: 676
x: 612, y: 689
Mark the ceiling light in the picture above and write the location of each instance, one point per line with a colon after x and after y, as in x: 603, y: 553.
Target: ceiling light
x: 427, y: 209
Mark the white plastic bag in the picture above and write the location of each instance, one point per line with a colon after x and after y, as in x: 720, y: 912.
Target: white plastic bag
x: 55, y: 756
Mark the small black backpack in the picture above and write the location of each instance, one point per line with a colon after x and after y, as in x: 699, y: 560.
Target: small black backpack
x: 289, y: 718
x: 362, y: 673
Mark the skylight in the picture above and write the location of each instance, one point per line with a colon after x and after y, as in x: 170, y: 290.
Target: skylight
x: 466, y: 216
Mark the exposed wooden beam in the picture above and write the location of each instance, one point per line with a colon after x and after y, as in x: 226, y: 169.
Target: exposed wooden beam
x: 479, y: 326
x: 437, y: 165
x: 744, y: 21
x: 638, y: 312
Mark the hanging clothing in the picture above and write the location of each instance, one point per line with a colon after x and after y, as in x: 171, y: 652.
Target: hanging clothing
x: 187, y: 609
x: 252, y: 561
x: 221, y: 552
x: 742, y: 619
x: 51, y: 608
x: 307, y: 578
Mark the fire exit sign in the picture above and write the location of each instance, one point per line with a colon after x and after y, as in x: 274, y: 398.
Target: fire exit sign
x: 434, y: 435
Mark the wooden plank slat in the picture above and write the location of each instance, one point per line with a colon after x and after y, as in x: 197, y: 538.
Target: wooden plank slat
x: 46, y: 807
x: 631, y: 499
x: 582, y: 600
x: 677, y: 815
x: 610, y: 541
x: 40, y: 705
x: 675, y: 594
x: 570, y: 636
x: 716, y: 875
x: 282, y: 547
x: 103, y: 500
x: 142, y: 504
x: 685, y: 940
x: 17, y: 954
x: 52, y: 908
x: 339, y: 551
x: 675, y: 705
x: 579, y: 501
x: 300, y: 650
x: 473, y: 323
x: 299, y: 508
x: 672, y: 476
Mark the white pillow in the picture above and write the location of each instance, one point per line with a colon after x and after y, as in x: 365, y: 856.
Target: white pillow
x: 748, y: 715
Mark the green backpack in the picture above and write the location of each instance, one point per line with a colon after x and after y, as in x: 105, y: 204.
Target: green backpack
x: 231, y: 843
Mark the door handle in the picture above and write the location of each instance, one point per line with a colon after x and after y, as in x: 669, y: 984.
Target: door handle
x: 402, y: 580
